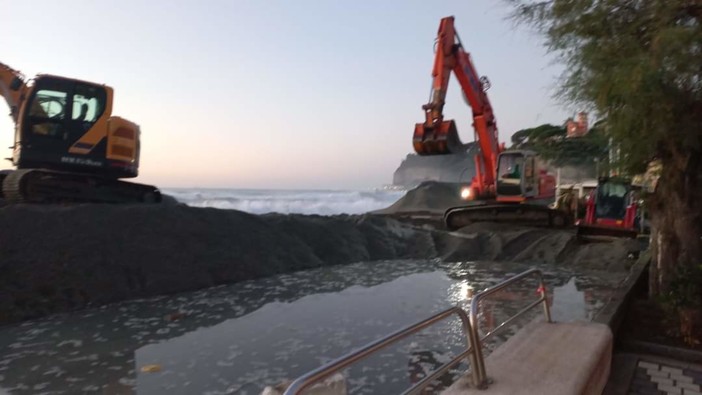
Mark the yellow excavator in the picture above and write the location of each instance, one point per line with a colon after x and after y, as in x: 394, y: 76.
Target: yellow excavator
x: 68, y: 147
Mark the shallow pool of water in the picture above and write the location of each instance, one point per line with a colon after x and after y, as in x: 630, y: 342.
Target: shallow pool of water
x: 236, y: 339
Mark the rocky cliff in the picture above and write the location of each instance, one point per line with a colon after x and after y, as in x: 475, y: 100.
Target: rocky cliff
x: 416, y: 169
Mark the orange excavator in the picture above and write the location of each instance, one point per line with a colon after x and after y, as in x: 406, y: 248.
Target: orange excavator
x: 509, y: 186
x: 68, y: 147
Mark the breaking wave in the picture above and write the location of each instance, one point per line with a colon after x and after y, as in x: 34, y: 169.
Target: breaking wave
x: 262, y: 201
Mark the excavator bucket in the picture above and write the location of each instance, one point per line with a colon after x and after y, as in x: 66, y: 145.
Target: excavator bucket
x: 441, y: 140
x: 511, y: 213
x: 604, y: 232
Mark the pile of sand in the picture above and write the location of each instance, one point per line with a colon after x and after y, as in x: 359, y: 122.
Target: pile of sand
x: 429, y: 197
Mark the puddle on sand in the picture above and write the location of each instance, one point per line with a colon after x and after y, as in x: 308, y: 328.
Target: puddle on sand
x: 239, y: 338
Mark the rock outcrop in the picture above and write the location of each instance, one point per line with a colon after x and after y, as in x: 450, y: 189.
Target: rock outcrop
x: 453, y: 168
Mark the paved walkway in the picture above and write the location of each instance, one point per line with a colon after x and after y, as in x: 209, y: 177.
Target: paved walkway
x: 655, y: 377
x: 651, y: 375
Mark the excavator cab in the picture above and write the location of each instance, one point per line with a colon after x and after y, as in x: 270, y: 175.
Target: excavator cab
x: 518, y: 176
x: 66, y: 125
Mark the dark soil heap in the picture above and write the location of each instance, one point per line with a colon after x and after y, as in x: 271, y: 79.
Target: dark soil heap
x: 429, y: 197
x: 56, y: 258
x: 60, y: 258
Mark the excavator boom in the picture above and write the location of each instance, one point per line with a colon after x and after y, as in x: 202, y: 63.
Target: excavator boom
x: 436, y: 136
x: 13, y: 89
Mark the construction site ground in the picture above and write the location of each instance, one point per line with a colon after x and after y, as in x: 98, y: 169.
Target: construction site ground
x: 61, y: 258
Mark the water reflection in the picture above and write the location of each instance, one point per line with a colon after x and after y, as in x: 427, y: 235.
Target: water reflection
x: 236, y: 339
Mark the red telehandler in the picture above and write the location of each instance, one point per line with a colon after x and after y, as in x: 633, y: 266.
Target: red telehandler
x: 508, y: 186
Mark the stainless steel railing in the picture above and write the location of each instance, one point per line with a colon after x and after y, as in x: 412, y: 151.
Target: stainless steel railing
x: 480, y: 379
x: 332, y: 367
x: 470, y: 326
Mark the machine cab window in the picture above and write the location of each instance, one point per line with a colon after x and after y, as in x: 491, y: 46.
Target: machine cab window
x: 63, y: 109
x: 88, y: 103
x: 49, y: 104
x: 611, y: 200
x: 510, y: 168
x: 47, y: 113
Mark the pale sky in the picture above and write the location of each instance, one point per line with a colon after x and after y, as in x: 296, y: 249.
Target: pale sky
x: 277, y: 94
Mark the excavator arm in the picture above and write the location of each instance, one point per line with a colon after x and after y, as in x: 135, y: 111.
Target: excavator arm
x: 436, y: 136
x: 522, y: 192
x: 13, y: 88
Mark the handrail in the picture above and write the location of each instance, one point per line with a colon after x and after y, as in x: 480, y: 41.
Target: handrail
x: 470, y: 326
x: 307, y: 380
x: 479, y: 375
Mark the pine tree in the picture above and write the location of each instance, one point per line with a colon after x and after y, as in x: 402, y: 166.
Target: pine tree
x: 638, y: 64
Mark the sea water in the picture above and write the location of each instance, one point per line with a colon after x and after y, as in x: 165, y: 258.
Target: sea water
x: 262, y: 201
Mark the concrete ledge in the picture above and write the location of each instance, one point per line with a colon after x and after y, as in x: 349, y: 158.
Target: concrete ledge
x: 543, y: 358
x: 676, y: 353
x: 612, y: 313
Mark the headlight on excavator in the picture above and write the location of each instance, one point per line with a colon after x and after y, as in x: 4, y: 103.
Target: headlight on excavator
x: 466, y: 193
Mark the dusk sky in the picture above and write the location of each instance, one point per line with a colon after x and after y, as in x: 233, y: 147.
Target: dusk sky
x: 277, y: 94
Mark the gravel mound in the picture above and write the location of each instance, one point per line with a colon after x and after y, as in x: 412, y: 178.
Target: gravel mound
x: 431, y: 197
x: 57, y: 258
x: 61, y: 258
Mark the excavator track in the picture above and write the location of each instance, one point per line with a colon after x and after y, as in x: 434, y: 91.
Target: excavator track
x: 47, y: 186
x: 511, y: 213
x: 3, y: 174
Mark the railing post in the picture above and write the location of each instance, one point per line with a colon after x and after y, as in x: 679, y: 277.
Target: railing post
x: 477, y: 361
x: 542, y: 290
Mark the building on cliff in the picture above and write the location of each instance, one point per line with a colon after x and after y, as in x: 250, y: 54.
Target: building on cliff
x: 578, y: 127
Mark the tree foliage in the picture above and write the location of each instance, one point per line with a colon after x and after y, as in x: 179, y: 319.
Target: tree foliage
x: 534, y: 136
x: 550, y: 143
x: 638, y: 64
